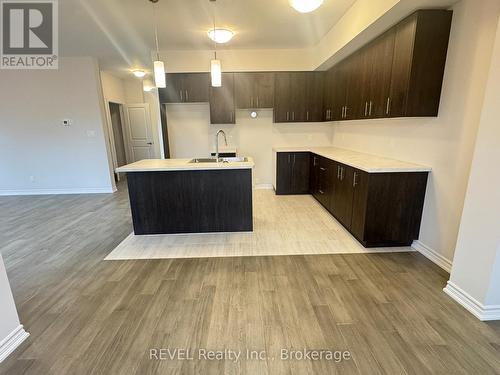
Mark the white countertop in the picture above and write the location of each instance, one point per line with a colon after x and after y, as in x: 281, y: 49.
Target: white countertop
x: 365, y: 162
x: 157, y: 165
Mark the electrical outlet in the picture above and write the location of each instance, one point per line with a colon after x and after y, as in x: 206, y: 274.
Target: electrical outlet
x: 32, y: 178
x: 67, y: 122
x: 91, y: 133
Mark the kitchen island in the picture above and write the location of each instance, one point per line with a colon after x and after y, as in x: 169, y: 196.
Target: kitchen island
x: 190, y: 195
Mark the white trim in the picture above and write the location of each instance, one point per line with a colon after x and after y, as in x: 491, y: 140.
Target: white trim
x: 476, y: 308
x: 106, y: 190
x: 433, y: 255
x: 12, y: 341
x: 264, y: 186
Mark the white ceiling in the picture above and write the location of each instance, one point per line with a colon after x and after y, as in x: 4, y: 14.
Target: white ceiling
x: 120, y: 32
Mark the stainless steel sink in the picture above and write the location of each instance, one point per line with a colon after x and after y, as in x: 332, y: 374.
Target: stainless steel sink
x: 203, y: 160
x: 239, y: 159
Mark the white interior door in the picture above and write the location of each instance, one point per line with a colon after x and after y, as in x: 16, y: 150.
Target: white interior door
x: 139, y: 132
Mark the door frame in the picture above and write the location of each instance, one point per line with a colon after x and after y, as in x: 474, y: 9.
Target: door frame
x: 111, y: 134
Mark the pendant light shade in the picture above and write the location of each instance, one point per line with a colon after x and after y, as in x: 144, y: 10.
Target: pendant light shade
x: 159, y: 69
x: 158, y: 66
x: 216, y: 73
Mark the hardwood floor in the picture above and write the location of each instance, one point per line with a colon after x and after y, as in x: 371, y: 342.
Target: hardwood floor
x: 89, y: 316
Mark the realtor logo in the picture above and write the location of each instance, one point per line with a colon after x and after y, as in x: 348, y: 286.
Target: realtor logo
x: 29, y: 34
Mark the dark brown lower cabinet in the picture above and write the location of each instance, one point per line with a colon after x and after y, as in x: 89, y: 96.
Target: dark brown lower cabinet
x: 324, y: 186
x: 379, y: 209
x: 292, y: 173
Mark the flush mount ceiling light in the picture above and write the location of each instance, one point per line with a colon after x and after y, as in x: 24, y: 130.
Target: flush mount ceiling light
x: 305, y: 6
x: 220, y: 35
x: 139, y: 73
x: 158, y: 66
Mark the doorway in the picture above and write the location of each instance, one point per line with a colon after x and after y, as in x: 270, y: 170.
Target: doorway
x: 118, y: 137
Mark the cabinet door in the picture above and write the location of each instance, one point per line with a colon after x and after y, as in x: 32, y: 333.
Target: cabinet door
x: 282, y: 97
x: 380, y: 80
x: 263, y: 89
x: 284, y: 173
x: 360, y: 197
x: 222, y: 101
x: 328, y: 90
x: 300, y: 172
x: 354, y: 78
x: 343, y: 194
x: 314, y: 175
x: 244, y: 90
x: 314, y: 96
x: 171, y: 93
x: 401, y: 67
x: 340, y: 90
x: 195, y: 87
x: 298, y: 96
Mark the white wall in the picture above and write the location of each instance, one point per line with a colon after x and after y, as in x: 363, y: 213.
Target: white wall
x: 192, y: 135
x: 476, y: 269
x: 37, y: 153
x: 445, y: 143
x: 11, y: 331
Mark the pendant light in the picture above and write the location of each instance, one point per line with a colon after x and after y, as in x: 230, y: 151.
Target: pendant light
x: 158, y: 66
x: 215, y: 65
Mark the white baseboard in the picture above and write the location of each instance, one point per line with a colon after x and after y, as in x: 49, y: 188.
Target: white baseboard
x: 105, y: 190
x: 433, y: 255
x: 12, y: 341
x: 264, y: 186
x: 476, y: 308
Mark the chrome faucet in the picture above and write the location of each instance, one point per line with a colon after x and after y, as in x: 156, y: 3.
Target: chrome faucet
x: 217, y: 143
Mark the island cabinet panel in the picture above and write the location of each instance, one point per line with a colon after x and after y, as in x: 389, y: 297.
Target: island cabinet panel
x: 222, y: 106
x: 198, y: 201
x: 254, y: 90
x: 185, y: 88
x: 292, y: 173
x: 379, y: 209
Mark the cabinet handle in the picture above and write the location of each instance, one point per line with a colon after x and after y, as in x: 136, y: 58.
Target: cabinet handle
x: 287, y: 116
x: 294, y: 159
x: 345, y: 112
x: 338, y: 172
x: 315, y: 160
x: 321, y: 191
x: 258, y: 102
x: 307, y: 115
x: 251, y: 101
x: 180, y: 91
x: 289, y: 157
x: 366, y: 109
x: 323, y: 169
x: 187, y: 96
x: 388, y: 106
x: 293, y: 115
x: 371, y: 106
x: 329, y: 114
x: 342, y: 170
x: 355, y: 182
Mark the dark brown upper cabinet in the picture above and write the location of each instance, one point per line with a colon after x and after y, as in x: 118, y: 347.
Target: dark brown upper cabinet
x: 314, y: 96
x: 254, y: 90
x: 222, y: 108
x: 399, y: 74
x: 185, y: 88
x: 420, y: 48
x: 298, y: 97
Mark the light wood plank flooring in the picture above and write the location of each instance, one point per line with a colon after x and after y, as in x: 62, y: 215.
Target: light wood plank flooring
x: 89, y: 316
